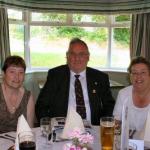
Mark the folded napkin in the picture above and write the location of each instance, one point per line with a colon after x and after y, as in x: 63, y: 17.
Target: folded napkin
x: 22, y: 126
x: 147, y: 129
x: 73, y: 121
x: 125, y: 126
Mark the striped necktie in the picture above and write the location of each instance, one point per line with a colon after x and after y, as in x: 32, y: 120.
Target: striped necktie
x: 80, y: 105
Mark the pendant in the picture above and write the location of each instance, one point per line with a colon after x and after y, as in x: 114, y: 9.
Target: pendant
x: 13, y: 109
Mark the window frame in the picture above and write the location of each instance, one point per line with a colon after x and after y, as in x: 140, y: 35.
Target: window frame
x: 27, y: 22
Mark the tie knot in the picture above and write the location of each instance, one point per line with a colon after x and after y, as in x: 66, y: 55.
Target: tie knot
x: 77, y: 76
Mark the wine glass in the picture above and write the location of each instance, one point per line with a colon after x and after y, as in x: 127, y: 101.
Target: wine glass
x: 45, y: 125
x: 26, y: 140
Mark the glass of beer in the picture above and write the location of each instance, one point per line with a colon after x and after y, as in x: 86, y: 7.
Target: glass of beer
x: 26, y: 140
x: 107, y: 127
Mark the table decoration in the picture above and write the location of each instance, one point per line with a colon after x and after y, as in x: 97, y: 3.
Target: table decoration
x: 80, y: 140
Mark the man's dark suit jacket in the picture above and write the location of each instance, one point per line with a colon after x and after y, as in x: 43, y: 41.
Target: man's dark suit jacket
x: 53, y: 98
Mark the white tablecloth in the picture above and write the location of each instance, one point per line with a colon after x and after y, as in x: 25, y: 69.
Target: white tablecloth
x: 59, y: 145
x: 41, y: 141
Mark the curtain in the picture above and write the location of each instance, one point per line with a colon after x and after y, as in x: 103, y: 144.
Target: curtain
x: 84, y: 6
x: 4, y: 36
x: 140, y: 35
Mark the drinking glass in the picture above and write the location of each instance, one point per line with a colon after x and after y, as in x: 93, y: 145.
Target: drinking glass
x: 26, y: 140
x: 46, y: 129
x: 107, y: 127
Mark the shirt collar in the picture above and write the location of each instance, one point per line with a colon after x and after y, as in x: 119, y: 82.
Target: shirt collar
x: 82, y: 74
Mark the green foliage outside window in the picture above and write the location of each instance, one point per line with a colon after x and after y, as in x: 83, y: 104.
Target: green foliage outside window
x: 122, y: 35
x: 89, y: 18
x: 42, y: 32
x: 71, y: 32
x: 122, y: 18
x: 49, y: 17
x: 99, y: 34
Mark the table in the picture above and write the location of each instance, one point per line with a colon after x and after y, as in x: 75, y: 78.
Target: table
x: 59, y: 145
x: 41, y: 141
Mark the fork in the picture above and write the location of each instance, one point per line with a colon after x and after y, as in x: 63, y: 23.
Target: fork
x: 12, y: 137
x: 131, y: 133
x: 13, y: 140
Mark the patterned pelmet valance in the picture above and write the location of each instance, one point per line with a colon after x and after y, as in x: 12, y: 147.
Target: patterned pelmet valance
x: 84, y: 6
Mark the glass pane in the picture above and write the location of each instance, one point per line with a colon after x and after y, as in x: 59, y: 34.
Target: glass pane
x: 122, y: 18
x: 89, y: 18
x: 14, y: 14
x: 49, y: 44
x: 54, y: 17
x: 16, y: 33
x: 97, y: 41
x: 120, y: 48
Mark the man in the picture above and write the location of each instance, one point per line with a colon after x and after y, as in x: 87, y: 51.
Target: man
x: 58, y: 93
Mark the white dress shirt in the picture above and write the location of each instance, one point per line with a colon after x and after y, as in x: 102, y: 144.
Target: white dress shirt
x: 72, y: 98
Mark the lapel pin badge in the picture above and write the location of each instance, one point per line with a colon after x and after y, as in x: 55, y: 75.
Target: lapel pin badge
x: 95, y: 83
x: 94, y: 91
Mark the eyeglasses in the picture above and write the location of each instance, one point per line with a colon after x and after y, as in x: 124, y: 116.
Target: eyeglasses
x: 79, y: 55
x: 143, y: 73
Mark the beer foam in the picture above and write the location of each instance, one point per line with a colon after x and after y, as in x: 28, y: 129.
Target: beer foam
x: 108, y: 124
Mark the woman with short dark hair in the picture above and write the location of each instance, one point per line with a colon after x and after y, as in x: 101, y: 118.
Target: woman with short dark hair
x: 14, y: 98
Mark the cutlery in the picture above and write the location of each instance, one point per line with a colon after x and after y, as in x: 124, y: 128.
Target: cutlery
x: 58, y: 127
x: 62, y: 140
x: 54, y: 137
x: 10, y: 136
x: 13, y: 140
x: 131, y: 133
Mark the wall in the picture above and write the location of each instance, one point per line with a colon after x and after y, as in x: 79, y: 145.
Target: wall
x: 120, y: 77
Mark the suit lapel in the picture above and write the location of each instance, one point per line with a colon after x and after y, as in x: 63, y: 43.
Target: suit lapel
x: 91, y: 86
x: 94, y: 95
x: 66, y: 85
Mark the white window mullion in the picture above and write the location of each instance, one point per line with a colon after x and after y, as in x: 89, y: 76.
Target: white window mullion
x: 27, y: 39
x: 109, y: 20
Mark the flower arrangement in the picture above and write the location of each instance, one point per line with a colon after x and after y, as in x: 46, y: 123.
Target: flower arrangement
x: 80, y: 141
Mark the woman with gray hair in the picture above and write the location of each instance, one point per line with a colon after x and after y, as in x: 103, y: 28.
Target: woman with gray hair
x: 137, y: 95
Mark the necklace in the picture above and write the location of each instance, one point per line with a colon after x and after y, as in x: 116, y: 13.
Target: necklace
x: 13, y: 109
